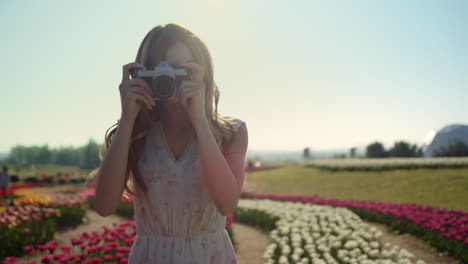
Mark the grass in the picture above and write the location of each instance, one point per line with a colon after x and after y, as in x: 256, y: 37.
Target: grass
x: 443, y: 188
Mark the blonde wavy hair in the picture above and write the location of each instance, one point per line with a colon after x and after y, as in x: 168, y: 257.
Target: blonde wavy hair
x: 152, y: 50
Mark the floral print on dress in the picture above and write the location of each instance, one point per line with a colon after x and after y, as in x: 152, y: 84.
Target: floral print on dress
x: 177, y: 222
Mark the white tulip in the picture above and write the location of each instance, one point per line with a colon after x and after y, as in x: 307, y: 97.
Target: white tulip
x: 316, y: 230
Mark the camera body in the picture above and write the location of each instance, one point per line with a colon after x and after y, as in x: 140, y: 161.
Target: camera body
x: 164, y: 80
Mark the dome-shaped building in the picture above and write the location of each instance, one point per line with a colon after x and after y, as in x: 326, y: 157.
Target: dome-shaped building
x: 445, y: 136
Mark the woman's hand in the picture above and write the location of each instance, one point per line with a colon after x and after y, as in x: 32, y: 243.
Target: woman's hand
x: 134, y: 93
x: 192, y: 93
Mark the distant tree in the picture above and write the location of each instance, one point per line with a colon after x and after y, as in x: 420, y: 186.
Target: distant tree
x: 403, y: 149
x: 376, y: 150
x: 67, y: 156
x: 306, y: 153
x: 456, y: 148
x: 86, y: 156
x: 339, y: 156
x: 44, y: 155
x: 420, y: 152
x: 89, y: 155
x: 352, y: 152
x: 32, y: 154
x: 17, y: 156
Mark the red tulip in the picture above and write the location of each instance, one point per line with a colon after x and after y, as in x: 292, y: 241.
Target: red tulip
x: 29, y: 249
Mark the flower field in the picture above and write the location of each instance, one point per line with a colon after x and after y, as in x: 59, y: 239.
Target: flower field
x: 303, y: 229
x: 36, y: 231
x: 112, y: 245
x: 321, y: 234
x: 25, y: 225
x: 446, y: 230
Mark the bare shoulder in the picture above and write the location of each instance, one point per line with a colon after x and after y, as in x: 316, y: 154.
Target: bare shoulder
x: 239, y: 141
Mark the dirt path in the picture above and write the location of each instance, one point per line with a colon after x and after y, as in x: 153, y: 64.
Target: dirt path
x: 94, y: 222
x: 251, y: 243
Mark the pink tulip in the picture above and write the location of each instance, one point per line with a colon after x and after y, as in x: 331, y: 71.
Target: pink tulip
x: 29, y: 249
x: 46, y: 259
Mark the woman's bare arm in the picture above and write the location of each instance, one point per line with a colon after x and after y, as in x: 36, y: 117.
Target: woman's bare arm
x: 110, y: 180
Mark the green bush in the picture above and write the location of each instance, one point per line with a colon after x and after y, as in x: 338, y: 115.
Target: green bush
x: 70, y: 216
x: 256, y: 218
x: 125, y: 209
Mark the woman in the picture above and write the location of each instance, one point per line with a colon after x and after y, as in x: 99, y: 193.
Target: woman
x: 184, y: 161
x: 4, y: 181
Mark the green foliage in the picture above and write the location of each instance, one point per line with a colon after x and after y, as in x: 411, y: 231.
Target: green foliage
x: 376, y: 150
x: 257, y: 218
x: 422, y: 186
x: 404, y: 149
x: 87, y: 156
x: 399, y: 149
x: 14, y: 239
x: 125, y: 209
x: 91, y: 202
x: 67, y: 156
x: 70, y: 216
x: 339, y: 156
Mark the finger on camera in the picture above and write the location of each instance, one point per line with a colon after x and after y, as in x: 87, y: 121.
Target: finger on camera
x: 123, y: 89
x: 139, y: 82
x: 139, y: 97
x: 143, y: 92
x: 129, y: 85
x: 126, y: 69
x: 147, y: 97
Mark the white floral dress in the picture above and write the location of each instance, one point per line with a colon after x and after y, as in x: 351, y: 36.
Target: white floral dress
x: 178, y: 222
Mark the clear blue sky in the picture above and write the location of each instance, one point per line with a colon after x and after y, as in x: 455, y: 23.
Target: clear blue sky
x: 318, y: 74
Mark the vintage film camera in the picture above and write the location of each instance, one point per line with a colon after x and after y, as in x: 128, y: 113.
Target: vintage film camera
x: 163, y: 80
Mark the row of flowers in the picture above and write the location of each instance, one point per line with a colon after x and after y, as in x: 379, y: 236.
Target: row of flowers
x: 446, y: 230
x: 25, y: 225
x: 305, y: 233
x: 112, y: 245
x: 48, y: 197
x: 36, y: 215
x: 71, y: 205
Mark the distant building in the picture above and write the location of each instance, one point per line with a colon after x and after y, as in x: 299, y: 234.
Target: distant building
x: 445, y: 136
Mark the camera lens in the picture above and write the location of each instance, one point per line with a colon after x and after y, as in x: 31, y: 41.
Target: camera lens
x: 164, y: 86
